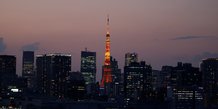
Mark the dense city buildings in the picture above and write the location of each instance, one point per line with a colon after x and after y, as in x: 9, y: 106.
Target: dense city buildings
x: 11, y: 86
x: 187, y: 75
x: 75, y: 86
x: 209, y: 68
x: 183, y: 85
x: 188, y: 97
x: 28, y: 67
x: 173, y: 87
x: 137, y: 81
x: 52, y: 83
x: 88, y: 69
x: 52, y: 73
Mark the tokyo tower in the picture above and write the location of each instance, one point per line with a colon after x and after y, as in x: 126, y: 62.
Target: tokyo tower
x: 106, y: 74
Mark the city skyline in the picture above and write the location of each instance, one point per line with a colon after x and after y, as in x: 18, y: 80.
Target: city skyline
x: 178, y: 30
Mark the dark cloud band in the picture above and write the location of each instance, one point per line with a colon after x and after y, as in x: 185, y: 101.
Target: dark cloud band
x: 194, y: 37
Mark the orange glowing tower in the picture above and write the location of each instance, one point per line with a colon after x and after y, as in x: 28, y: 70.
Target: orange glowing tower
x: 106, y: 74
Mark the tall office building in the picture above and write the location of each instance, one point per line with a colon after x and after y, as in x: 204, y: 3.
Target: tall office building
x: 7, y: 72
x: 52, y: 73
x: 130, y: 57
x: 115, y: 71
x: 7, y: 65
x: 28, y: 67
x: 137, y: 81
x: 116, y: 77
x: 75, y: 86
x: 7, y: 68
x: 187, y: 90
x: 106, y: 73
x: 88, y: 66
x: 209, y: 68
x: 184, y: 74
x: 88, y: 69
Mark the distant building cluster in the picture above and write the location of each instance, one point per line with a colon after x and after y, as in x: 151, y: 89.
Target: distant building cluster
x: 48, y: 82
x: 50, y: 76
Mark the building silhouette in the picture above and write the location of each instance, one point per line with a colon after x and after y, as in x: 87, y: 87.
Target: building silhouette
x: 88, y: 69
x: 7, y: 73
x: 117, y: 83
x: 52, y: 73
x: 183, y: 86
x: 28, y: 67
x: 209, y: 68
x: 7, y: 69
x: 75, y: 86
x: 188, y: 92
x: 137, y: 81
x: 7, y: 65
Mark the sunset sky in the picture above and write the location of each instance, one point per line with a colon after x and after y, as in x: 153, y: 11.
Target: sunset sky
x: 162, y: 32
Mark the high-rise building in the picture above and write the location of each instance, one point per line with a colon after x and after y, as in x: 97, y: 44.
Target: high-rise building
x: 7, y: 65
x: 7, y: 68
x: 75, y: 86
x: 183, y: 85
x: 88, y: 69
x: 88, y: 66
x: 130, y: 57
x: 209, y: 68
x: 187, y: 75
x: 28, y: 67
x: 115, y: 71
x: 52, y: 73
x: 106, y: 73
x: 188, y: 93
x: 7, y: 72
x: 116, y: 78
x: 137, y: 81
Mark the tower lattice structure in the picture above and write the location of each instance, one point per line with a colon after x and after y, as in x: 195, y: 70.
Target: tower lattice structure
x: 106, y: 76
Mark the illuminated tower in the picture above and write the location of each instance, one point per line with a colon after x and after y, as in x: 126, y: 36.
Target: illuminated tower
x: 106, y: 74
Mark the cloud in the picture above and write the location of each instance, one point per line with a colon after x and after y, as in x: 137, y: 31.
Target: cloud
x: 31, y: 47
x: 194, y: 37
x: 2, y: 45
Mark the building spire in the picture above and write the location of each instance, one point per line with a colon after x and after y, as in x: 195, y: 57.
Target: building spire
x: 108, y: 19
x: 108, y: 29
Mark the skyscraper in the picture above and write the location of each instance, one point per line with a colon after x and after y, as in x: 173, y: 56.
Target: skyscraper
x: 7, y: 66
x: 88, y: 69
x: 88, y: 66
x: 106, y: 74
x: 137, y: 81
x: 130, y: 57
x: 115, y: 71
x: 7, y: 71
x: 52, y: 73
x: 187, y: 90
x: 209, y: 68
x: 28, y: 67
x: 116, y: 77
x: 75, y: 86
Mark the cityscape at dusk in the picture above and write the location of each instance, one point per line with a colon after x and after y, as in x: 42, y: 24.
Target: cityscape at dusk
x: 109, y: 54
